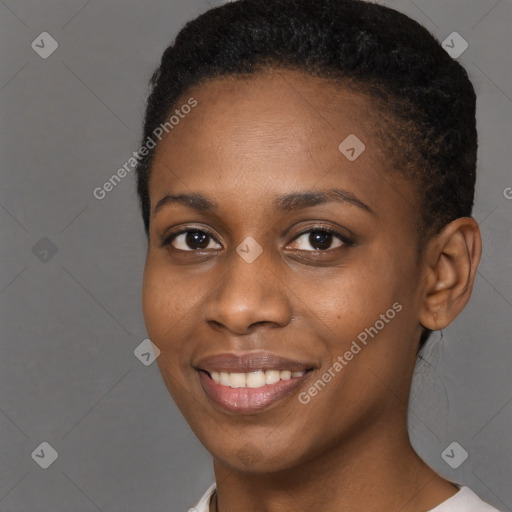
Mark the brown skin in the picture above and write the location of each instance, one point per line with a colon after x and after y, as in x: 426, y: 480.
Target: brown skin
x: 246, y: 143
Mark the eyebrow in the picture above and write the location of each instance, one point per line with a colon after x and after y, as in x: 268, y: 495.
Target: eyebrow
x: 288, y: 202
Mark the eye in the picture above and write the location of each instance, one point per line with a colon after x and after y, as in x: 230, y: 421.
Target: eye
x: 192, y: 240
x: 321, y: 239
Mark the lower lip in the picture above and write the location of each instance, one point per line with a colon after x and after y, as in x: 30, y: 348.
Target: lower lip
x: 248, y: 400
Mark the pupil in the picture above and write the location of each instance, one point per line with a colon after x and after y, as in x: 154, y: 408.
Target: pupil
x: 322, y: 239
x: 198, y: 239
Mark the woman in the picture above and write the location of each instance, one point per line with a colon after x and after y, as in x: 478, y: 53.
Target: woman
x: 306, y: 189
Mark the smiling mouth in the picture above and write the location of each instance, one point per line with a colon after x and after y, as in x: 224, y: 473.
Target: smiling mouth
x: 251, y: 392
x: 254, y: 379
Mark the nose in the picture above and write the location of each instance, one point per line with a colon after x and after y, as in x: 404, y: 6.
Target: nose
x: 249, y: 295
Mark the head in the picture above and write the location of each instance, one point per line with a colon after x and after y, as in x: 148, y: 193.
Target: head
x: 311, y: 199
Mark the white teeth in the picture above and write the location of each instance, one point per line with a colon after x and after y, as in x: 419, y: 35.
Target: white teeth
x: 237, y: 380
x: 255, y: 379
x: 272, y: 376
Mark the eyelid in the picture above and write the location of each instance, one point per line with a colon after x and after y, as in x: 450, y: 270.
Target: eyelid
x: 169, y: 235
x: 323, y: 226
x: 346, y: 240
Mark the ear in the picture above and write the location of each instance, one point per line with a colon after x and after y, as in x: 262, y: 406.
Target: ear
x: 450, y: 264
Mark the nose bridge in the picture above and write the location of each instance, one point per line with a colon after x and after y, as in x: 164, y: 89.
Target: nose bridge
x: 250, y: 292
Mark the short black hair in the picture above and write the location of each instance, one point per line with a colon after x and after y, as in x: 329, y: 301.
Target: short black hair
x: 426, y: 102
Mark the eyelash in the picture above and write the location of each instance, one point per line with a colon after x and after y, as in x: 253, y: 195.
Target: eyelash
x: 168, y: 239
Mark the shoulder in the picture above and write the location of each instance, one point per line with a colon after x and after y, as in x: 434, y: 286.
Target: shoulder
x: 204, y: 502
x: 464, y: 501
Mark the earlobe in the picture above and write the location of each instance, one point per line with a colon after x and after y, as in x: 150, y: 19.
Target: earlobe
x: 450, y: 263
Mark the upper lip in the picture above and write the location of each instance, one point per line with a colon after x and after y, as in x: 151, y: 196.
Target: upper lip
x: 249, y: 362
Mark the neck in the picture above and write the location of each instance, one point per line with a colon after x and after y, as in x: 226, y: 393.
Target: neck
x: 375, y: 470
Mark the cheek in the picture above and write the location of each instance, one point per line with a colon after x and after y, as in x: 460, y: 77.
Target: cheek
x: 156, y: 303
x: 350, y: 299
x: 166, y: 312
x: 360, y: 303
x: 164, y: 308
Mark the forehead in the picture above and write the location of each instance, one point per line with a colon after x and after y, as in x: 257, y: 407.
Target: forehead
x: 282, y: 109
x: 272, y: 133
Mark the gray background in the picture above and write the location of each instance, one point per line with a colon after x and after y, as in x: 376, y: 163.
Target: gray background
x: 71, y: 320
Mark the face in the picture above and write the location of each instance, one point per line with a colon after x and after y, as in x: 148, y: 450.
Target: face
x: 281, y: 276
